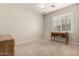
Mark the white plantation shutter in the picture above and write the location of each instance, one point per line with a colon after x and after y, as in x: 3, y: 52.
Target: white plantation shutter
x: 62, y: 22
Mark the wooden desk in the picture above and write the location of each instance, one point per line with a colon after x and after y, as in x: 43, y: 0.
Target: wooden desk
x: 61, y: 34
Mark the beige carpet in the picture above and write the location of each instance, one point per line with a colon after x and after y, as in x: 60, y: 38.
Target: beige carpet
x: 45, y: 47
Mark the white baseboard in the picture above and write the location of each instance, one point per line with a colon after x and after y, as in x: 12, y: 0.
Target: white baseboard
x: 40, y: 37
x: 74, y: 43
x: 28, y: 40
x: 24, y: 41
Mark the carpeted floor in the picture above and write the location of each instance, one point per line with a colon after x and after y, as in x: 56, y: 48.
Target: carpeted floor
x: 45, y: 47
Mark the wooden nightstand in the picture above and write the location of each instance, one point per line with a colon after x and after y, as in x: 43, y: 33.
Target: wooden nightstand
x: 7, y: 45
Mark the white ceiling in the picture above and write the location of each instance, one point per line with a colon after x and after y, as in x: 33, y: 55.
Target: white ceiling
x: 36, y: 8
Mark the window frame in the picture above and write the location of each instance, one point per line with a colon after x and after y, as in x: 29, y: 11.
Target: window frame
x: 70, y: 14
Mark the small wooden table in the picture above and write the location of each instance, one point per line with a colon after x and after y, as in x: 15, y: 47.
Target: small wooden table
x: 61, y: 34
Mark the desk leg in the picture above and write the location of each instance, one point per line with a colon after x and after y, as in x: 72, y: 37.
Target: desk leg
x: 54, y: 38
x: 51, y: 37
x: 67, y: 40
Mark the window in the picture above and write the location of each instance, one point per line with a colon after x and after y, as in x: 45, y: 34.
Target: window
x: 62, y: 22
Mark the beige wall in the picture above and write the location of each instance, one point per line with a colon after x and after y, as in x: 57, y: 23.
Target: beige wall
x: 74, y: 36
x: 24, y: 25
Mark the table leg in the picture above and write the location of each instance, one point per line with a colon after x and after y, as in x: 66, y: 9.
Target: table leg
x: 54, y: 38
x: 51, y: 37
x: 67, y: 40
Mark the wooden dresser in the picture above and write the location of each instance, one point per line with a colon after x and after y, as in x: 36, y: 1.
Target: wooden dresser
x: 7, y: 45
x: 61, y: 34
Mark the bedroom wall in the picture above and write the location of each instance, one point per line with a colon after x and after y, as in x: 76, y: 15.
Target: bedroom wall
x: 21, y: 23
x: 74, y: 36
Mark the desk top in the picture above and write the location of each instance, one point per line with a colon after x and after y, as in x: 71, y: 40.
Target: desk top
x: 4, y: 37
x: 59, y: 32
